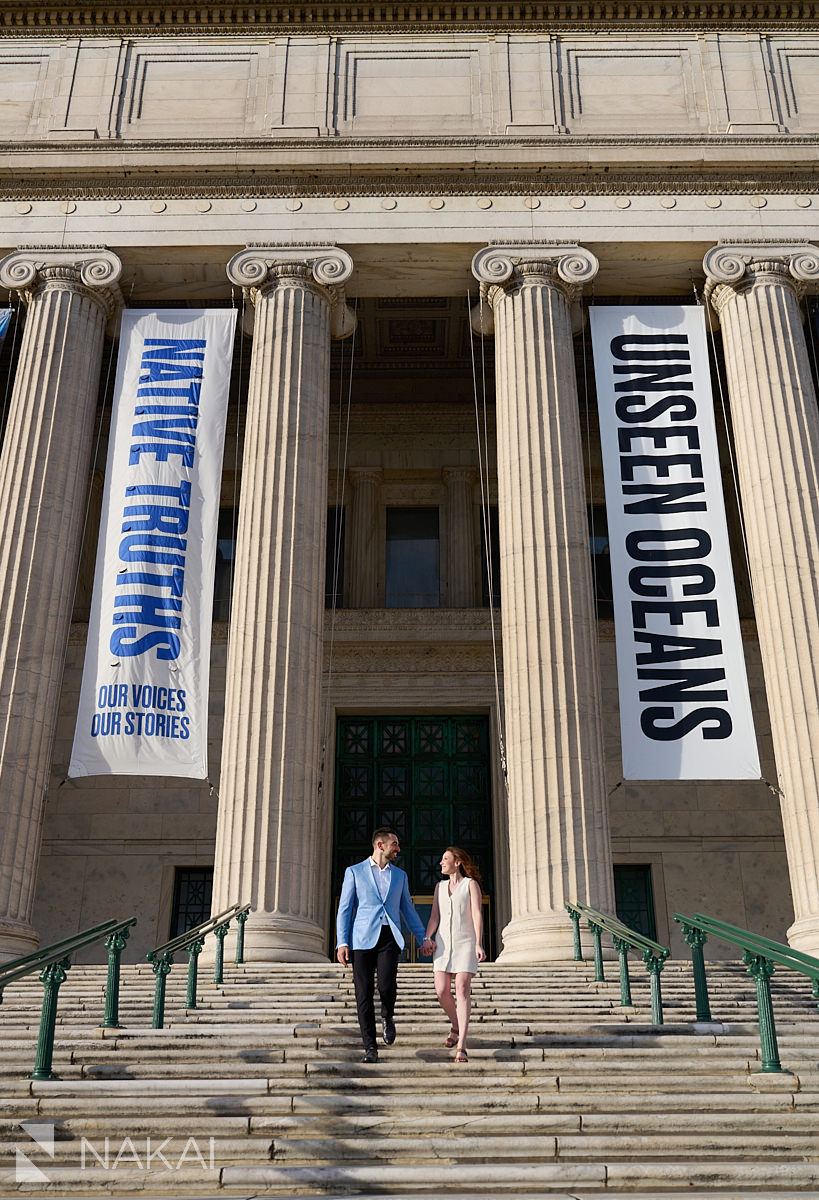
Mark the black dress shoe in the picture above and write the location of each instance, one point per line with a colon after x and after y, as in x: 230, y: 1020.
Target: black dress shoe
x: 388, y: 1030
x: 370, y: 1056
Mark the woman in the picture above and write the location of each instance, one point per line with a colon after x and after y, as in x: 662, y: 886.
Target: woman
x: 456, y: 921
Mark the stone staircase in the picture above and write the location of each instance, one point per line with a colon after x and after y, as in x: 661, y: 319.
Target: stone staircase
x: 261, y: 1091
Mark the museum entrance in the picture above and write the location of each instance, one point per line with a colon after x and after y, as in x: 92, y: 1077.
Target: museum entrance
x: 428, y: 779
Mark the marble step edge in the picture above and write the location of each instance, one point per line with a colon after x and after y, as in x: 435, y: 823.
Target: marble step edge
x: 484, y: 1179
x: 349, y: 1083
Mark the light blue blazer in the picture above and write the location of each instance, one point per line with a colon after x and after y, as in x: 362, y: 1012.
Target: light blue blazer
x: 361, y: 906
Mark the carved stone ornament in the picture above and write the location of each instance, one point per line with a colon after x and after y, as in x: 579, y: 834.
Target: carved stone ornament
x: 323, y: 268
x: 729, y: 262
x: 569, y: 265
x: 91, y: 269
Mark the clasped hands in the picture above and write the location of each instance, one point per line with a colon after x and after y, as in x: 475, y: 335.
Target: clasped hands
x: 427, y: 949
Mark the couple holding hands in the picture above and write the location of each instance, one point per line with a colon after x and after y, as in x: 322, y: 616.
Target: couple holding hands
x: 374, y: 896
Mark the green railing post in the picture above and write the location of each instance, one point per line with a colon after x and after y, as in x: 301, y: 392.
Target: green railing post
x: 220, y: 932
x: 161, y: 968
x: 696, y: 939
x: 596, y: 931
x: 621, y: 946
x: 51, y: 977
x: 574, y: 917
x: 240, y: 938
x: 761, y: 969
x: 194, y: 950
x: 654, y: 965
x: 115, y: 944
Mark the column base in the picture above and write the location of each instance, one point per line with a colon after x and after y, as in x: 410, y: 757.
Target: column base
x: 274, y: 937
x: 17, y: 938
x: 803, y: 935
x: 547, y: 937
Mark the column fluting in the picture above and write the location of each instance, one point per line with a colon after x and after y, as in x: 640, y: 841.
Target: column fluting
x: 461, y: 550
x: 756, y: 290
x: 271, y: 811
x: 44, y: 477
x: 558, y: 824
x: 366, y: 562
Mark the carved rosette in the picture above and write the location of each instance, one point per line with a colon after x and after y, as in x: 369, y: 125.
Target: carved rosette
x: 323, y: 270
x: 87, y: 270
x: 498, y: 269
x: 732, y: 267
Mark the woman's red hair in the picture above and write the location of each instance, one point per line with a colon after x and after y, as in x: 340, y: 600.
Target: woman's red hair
x: 465, y: 864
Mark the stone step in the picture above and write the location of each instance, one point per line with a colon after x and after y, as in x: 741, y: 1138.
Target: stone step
x: 301, y: 1151
x: 660, y: 1128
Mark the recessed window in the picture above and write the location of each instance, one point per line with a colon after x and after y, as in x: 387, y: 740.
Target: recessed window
x: 413, y: 574
x: 490, y: 557
x: 634, y: 898
x: 225, y: 561
x: 334, y: 559
x: 601, y: 560
x: 192, y: 890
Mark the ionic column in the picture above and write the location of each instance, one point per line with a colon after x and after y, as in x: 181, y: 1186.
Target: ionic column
x: 270, y: 811
x: 755, y: 290
x: 460, y: 482
x: 558, y: 825
x: 365, y: 561
x: 44, y: 468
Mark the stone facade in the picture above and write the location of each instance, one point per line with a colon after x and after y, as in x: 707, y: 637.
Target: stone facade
x: 677, y: 160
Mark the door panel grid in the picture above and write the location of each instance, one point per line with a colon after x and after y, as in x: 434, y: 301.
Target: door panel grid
x: 427, y: 778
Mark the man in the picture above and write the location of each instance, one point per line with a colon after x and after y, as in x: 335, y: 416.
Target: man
x: 374, y: 897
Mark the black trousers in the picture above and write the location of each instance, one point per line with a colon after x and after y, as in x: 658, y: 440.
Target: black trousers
x: 381, y: 961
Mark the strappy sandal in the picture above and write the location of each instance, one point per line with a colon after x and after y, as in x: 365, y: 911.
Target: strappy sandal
x: 461, y: 1056
x: 452, y: 1038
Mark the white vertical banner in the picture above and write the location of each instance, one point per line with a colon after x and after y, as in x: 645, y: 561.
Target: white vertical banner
x: 685, y: 711
x: 144, y: 696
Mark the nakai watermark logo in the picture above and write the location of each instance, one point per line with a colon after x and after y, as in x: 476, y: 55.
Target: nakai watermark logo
x: 142, y: 1154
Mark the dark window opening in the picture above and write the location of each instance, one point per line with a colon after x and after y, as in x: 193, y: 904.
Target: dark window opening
x: 192, y: 891
x: 490, y: 536
x: 225, y: 561
x: 413, y: 558
x: 334, y: 559
x: 634, y: 899
x: 601, y: 560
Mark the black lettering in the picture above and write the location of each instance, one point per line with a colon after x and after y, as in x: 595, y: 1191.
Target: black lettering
x: 672, y: 733
x: 683, y: 689
x: 637, y: 544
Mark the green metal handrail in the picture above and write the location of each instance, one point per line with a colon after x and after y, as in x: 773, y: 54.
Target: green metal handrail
x: 761, y: 956
x: 53, y: 962
x: 193, y: 940
x: 652, y: 953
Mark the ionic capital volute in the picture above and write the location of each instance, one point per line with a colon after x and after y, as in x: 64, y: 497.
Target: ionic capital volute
x: 564, y: 266
x: 733, y: 267
x: 89, y: 270
x: 321, y: 269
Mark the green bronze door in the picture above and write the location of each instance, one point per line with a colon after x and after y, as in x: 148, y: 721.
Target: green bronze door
x: 425, y: 777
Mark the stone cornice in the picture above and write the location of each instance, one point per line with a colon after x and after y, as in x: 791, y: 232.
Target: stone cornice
x: 254, y: 185
x: 61, y: 17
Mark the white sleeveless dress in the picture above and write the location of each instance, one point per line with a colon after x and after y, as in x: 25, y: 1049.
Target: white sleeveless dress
x: 455, y: 935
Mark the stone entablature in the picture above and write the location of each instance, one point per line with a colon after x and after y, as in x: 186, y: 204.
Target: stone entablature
x: 404, y: 85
